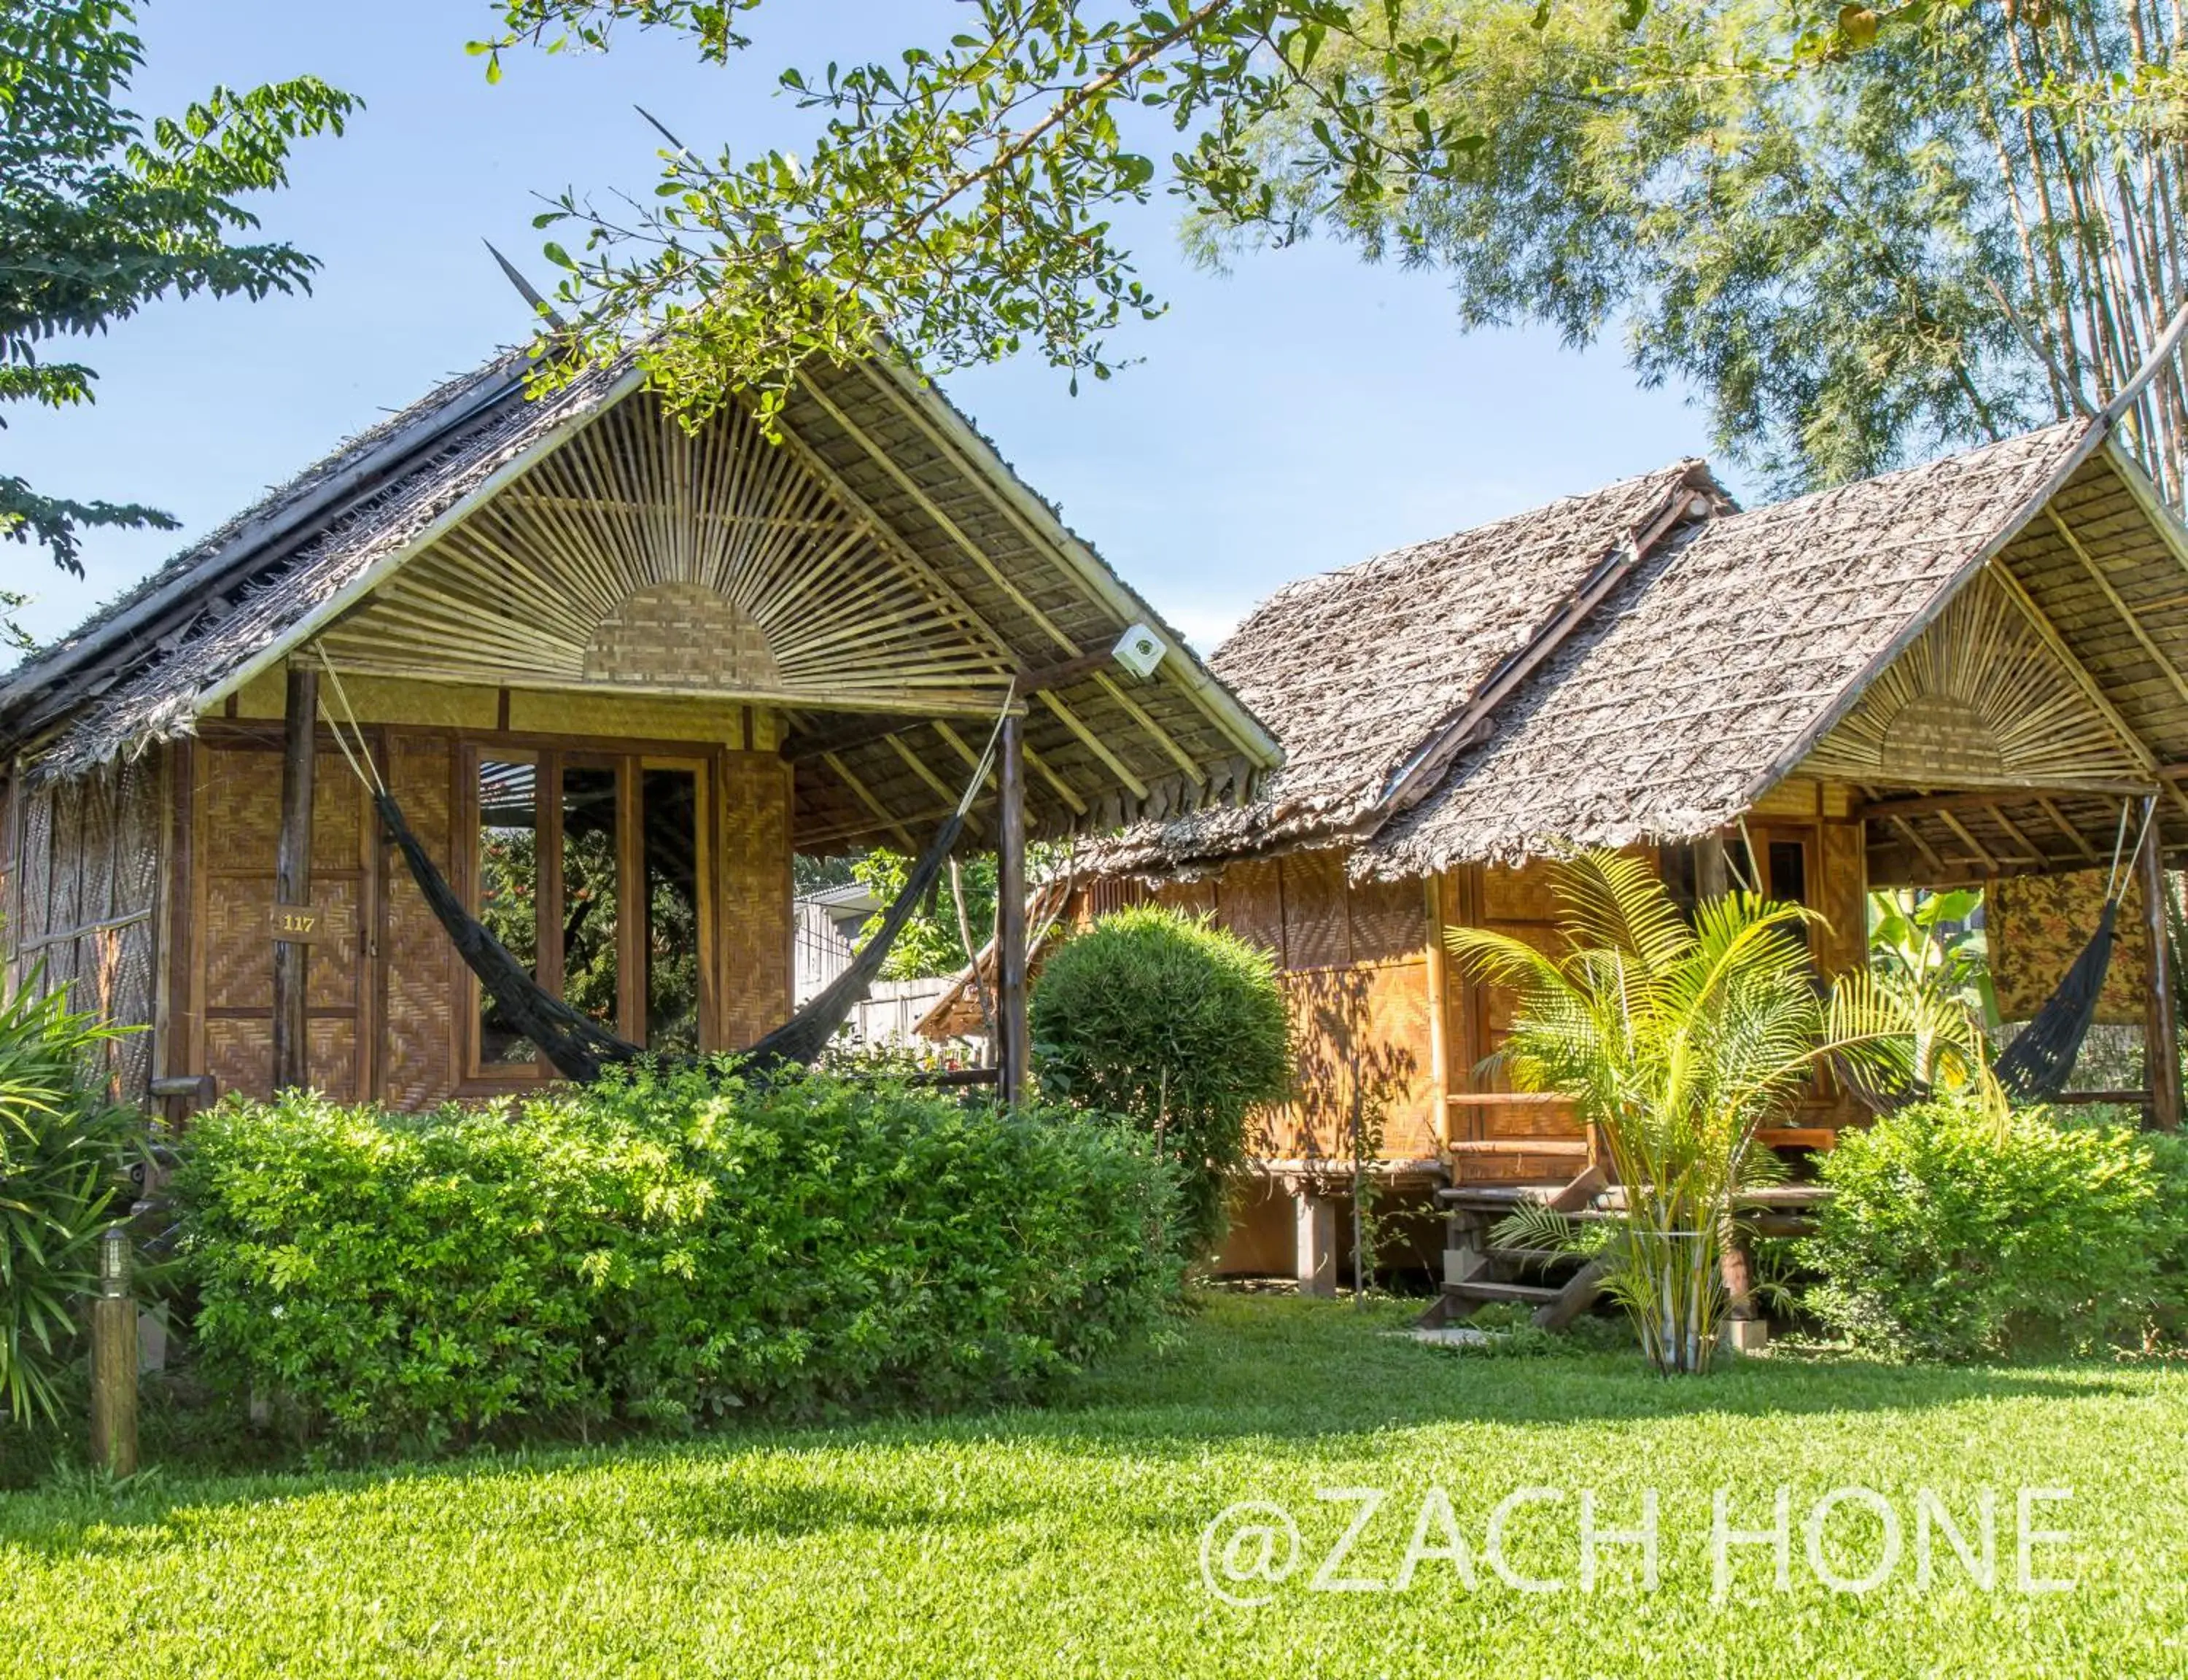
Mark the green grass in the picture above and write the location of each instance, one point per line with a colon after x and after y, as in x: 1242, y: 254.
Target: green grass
x: 1066, y: 1541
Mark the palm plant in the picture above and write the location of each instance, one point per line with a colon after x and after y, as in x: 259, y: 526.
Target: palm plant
x: 1677, y: 1043
x: 63, y: 1145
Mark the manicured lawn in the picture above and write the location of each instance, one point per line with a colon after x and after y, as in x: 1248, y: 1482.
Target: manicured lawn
x: 1067, y: 1542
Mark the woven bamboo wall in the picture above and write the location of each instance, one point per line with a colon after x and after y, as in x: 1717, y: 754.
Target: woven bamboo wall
x: 1353, y: 962
x: 427, y: 994
x: 82, y: 866
x: 757, y: 920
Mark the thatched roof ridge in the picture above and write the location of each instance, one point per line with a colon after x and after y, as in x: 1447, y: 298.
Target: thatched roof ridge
x: 1354, y: 670
x: 1725, y: 655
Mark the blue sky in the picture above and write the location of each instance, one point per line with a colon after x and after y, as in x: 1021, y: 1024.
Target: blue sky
x: 1300, y: 413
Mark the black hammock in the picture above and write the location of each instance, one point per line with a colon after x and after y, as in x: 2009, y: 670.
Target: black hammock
x: 2036, y: 1066
x: 579, y: 1047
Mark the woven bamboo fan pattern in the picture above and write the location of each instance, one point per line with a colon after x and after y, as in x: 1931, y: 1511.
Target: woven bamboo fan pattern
x: 1976, y: 701
x: 643, y: 555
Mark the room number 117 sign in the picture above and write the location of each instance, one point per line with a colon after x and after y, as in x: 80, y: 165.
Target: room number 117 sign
x: 309, y: 925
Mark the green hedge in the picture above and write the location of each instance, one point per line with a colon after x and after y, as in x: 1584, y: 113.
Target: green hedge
x: 662, y: 1248
x: 1949, y: 1238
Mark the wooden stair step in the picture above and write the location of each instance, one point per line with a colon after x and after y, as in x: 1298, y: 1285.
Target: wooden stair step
x: 1487, y: 1289
x: 1533, y: 1256
x: 1576, y: 1146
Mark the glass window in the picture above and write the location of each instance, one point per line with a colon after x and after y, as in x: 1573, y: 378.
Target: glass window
x: 591, y: 892
x: 669, y: 811
x: 508, y: 890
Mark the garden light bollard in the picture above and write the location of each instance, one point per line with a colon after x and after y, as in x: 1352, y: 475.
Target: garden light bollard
x: 113, y: 1359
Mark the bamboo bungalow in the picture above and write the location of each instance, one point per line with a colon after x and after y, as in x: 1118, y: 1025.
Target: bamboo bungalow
x: 1955, y: 674
x: 615, y: 674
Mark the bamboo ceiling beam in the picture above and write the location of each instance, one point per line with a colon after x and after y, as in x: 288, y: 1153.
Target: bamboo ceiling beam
x: 2145, y: 497
x: 2059, y: 822
x: 949, y: 527
x: 894, y: 394
x: 2049, y: 633
x: 1919, y: 844
x: 2134, y: 624
x: 2013, y: 831
x: 1063, y: 790
x: 802, y: 745
x: 1067, y: 672
x: 1979, y: 799
x: 1961, y: 832
x: 1139, y: 714
x: 1095, y: 744
x: 917, y: 766
x: 913, y: 705
x: 864, y: 796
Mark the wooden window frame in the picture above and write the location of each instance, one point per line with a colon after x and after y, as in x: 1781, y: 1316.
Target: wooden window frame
x: 479, y: 1078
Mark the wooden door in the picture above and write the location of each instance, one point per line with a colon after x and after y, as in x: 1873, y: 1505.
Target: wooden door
x: 237, y: 819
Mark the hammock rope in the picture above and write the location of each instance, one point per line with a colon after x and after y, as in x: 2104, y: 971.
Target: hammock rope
x: 2037, y: 1065
x: 581, y: 1048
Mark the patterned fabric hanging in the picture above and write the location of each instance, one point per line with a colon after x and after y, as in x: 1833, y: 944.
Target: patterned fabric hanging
x: 2038, y: 925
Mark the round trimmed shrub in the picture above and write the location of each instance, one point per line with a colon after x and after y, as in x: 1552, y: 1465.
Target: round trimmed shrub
x: 1947, y: 1238
x: 1179, y: 1025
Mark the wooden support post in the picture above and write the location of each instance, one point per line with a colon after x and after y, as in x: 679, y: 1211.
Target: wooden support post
x: 292, y: 877
x: 1015, y: 1061
x: 113, y: 1359
x: 1438, y: 971
x: 1316, y: 1249
x: 2161, y: 1031
x: 1712, y: 877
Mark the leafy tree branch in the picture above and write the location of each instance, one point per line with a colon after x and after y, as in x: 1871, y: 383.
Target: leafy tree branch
x: 101, y: 212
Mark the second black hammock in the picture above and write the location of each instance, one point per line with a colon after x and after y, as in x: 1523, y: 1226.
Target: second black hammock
x: 2037, y: 1065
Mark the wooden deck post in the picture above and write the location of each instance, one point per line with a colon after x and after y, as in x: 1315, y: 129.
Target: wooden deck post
x: 1712, y: 874
x: 2162, y: 1029
x: 1014, y: 1063
x: 292, y: 877
x: 1316, y: 1250
x: 113, y: 1359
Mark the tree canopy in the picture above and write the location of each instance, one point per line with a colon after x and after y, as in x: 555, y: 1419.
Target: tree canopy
x: 1857, y: 232
x: 956, y: 199
x: 1859, y: 235
x: 102, y: 211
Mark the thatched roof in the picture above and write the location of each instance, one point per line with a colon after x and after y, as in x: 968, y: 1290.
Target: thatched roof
x: 891, y: 458
x: 1729, y: 651
x: 1700, y: 683
x: 1355, y: 670
x: 138, y: 669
